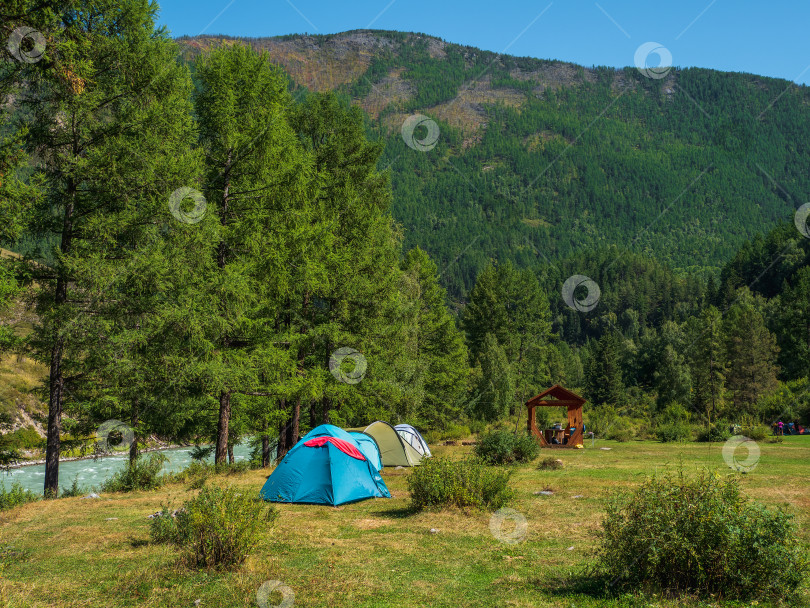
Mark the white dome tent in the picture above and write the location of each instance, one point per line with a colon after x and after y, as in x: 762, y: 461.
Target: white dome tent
x: 413, y: 438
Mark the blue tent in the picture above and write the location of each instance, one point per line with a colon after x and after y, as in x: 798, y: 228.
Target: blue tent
x: 326, y: 467
x: 368, y: 445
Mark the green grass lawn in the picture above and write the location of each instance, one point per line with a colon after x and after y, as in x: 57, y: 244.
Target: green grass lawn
x: 376, y: 553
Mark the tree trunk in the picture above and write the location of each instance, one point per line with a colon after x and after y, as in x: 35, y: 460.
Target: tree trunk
x: 265, y: 451
x: 225, y: 395
x: 133, y: 449
x: 230, y: 453
x: 53, y: 445
x: 56, y: 381
x: 222, y: 427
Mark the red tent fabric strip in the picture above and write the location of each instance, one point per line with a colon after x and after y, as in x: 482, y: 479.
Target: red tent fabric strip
x: 341, y: 444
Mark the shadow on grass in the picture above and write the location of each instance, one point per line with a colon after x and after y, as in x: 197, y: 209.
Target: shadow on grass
x: 575, y: 583
x: 586, y: 584
x: 136, y: 543
x: 398, y: 513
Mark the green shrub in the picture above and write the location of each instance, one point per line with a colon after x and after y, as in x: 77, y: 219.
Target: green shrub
x: 673, y: 424
x: 166, y: 527
x: 619, y: 432
x: 22, y: 439
x: 673, y: 431
x: 698, y: 535
x: 756, y: 432
x: 602, y: 419
x: 606, y: 422
x: 441, y: 482
x: 477, y: 427
x: 504, y: 447
x: 74, y: 490
x: 456, y: 431
x: 432, y: 436
x: 15, y: 496
x: 195, y: 472
x: 142, y: 474
x: 216, y: 529
x: 714, y: 433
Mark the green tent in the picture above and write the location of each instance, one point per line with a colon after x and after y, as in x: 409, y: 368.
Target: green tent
x: 394, y: 451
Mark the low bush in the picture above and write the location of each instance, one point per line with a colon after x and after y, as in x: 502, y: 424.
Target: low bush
x: 74, y: 490
x: 216, y: 529
x: 698, y: 535
x: 714, y: 433
x: 673, y: 431
x: 193, y: 472
x: 619, y: 433
x: 165, y: 527
x: 142, y: 474
x: 673, y: 424
x: 504, y: 447
x: 15, y: 496
x: 440, y: 482
x: 757, y: 432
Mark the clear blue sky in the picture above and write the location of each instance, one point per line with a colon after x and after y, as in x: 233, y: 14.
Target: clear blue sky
x: 769, y: 38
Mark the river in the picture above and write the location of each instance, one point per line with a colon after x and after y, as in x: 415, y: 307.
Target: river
x: 91, y: 473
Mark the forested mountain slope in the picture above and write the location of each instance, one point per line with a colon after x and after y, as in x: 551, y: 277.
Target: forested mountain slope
x: 539, y: 159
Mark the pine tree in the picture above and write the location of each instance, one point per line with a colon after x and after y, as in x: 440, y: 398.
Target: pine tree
x: 110, y: 123
x: 258, y: 186
x: 603, y: 377
x: 793, y: 323
x: 355, y: 300
x: 707, y: 363
x: 510, y: 305
x: 440, y: 350
x: 751, y: 352
x: 496, y: 387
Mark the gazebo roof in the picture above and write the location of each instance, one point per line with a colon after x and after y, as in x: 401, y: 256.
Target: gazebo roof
x: 561, y: 398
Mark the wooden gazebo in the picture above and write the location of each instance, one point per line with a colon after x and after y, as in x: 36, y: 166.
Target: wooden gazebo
x: 557, y: 396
